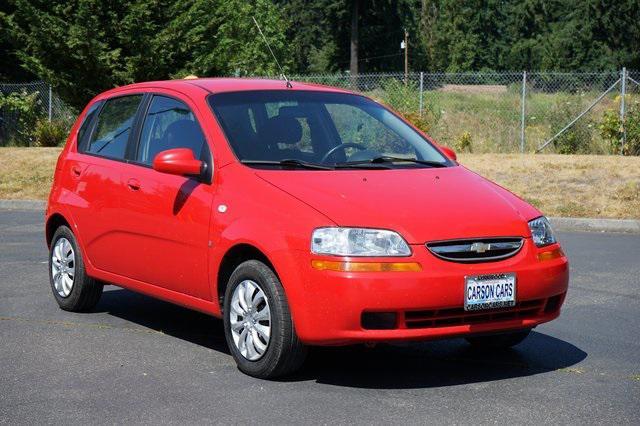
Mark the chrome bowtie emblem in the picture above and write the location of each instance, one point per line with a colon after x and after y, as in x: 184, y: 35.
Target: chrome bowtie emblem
x: 480, y: 247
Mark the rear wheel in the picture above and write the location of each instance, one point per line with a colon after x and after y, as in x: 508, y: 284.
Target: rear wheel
x: 71, y: 287
x: 257, y: 323
x: 498, y: 341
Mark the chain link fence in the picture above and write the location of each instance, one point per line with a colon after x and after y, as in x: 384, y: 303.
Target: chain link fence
x: 511, y: 111
x: 22, y: 105
x: 477, y: 111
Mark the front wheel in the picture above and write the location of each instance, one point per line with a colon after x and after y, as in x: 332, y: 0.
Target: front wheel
x: 498, y: 341
x: 257, y: 323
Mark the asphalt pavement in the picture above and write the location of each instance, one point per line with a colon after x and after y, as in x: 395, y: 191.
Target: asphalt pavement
x: 139, y: 360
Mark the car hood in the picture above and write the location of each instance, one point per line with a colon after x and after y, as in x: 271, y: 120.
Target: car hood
x: 426, y: 204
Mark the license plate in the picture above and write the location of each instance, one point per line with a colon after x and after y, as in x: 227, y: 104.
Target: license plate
x: 489, y: 291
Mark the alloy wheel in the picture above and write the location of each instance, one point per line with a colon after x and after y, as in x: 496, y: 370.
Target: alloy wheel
x: 63, y: 267
x: 250, y: 320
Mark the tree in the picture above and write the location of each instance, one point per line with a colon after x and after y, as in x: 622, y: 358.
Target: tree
x: 83, y: 47
x: 353, y: 51
x: 220, y: 38
x: 10, y: 69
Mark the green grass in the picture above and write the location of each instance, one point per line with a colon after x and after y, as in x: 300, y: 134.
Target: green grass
x: 492, y: 116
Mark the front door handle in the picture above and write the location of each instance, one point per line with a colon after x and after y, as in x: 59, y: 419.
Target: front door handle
x: 133, y: 184
x: 76, y: 170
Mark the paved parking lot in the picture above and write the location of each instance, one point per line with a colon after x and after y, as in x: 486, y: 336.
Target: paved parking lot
x: 138, y: 360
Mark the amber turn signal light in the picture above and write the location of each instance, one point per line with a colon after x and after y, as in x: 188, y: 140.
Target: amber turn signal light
x: 551, y: 254
x: 330, y: 265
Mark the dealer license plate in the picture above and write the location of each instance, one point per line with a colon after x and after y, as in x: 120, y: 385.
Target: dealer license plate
x: 489, y: 291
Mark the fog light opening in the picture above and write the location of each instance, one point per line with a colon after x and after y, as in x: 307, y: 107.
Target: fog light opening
x: 379, y: 320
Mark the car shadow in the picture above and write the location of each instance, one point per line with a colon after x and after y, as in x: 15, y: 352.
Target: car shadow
x: 164, y: 317
x: 437, y: 363
x: 384, y: 366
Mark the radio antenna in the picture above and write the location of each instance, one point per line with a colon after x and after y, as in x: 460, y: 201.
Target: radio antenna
x: 272, y: 54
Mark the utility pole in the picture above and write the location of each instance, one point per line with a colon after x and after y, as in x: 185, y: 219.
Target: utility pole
x: 623, y: 92
x: 406, y: 56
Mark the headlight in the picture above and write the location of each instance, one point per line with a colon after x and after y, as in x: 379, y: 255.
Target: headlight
x: 541, y: 232
x: 358, y: 242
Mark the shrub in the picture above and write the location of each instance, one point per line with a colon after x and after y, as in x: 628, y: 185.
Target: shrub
x: 611, y: 130
x: 404, y: 98
x: 25, y: 109
x: 576, y: 139
x: 420, y: 122
x: 463, y: 142
x: 50, y: 133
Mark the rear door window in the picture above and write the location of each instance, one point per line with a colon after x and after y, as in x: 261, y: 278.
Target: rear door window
x: 114, y: 126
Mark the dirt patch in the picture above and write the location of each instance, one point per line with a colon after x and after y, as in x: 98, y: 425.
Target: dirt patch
x: 473, y: 88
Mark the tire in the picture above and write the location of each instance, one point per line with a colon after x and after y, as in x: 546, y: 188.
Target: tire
x: 282, y: 353
x: 498, y: 341
x: 84, y: 292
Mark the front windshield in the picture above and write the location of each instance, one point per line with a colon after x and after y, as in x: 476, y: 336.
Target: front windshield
x: 317, y: 128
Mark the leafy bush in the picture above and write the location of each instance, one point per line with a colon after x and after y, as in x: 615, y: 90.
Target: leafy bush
x: 402, y: 97
x: 420, y: 122
x: 405, y: 98
x: 463, y: 143
x: 25, y: 109
x: 50, y: 133
x: 611, y: 130
x: 576, y: 139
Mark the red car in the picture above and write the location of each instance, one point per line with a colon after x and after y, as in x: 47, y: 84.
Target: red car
x: 303, y: 215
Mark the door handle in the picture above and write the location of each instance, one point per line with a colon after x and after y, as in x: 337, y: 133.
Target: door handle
x: 77, y: 171
x: 133, y: 184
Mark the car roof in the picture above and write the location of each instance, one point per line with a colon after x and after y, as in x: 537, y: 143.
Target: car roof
x: 221, y: 85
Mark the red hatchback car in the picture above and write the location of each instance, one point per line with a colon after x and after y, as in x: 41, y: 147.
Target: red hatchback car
x: 303, y: 215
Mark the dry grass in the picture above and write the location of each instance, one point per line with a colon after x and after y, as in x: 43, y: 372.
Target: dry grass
x: 559, y: 185
x: 567, y: 185
x: 26, y: 173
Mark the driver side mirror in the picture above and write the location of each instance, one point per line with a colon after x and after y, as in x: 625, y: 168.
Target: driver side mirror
x: 178, y: 161
x: 449, y: 152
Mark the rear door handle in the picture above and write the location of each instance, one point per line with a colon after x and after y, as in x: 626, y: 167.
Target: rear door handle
x: 76, y: 170
x: 133, y: 184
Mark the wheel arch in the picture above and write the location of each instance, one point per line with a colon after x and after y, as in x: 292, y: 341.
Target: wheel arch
x: 233, y: 257
x: 54, y: 222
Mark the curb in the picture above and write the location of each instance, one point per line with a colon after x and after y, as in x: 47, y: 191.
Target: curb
x: 562, y: 224
x: 595, y: 225
x: 22, y: 205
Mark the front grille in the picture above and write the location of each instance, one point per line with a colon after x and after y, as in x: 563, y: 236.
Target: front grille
x: 476, y: 250
x: 458, y: 316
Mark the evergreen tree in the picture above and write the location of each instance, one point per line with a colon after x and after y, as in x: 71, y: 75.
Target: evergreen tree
x: 83, y: 47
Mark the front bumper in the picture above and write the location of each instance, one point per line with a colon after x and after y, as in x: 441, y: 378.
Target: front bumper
x: 427, y: 304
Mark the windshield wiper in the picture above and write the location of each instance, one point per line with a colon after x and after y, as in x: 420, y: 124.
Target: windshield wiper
x: 287, y: 162
x: 389, y: 159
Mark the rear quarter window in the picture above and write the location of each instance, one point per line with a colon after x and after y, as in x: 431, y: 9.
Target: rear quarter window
x: 87, y: 123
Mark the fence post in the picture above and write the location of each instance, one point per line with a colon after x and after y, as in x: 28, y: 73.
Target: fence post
x: 421, y: 93
x: 50, y: 103
x: 522, y: 116
x: 623, y: 90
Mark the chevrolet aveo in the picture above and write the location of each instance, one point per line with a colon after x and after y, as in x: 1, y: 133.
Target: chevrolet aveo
x: 300, y: 214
